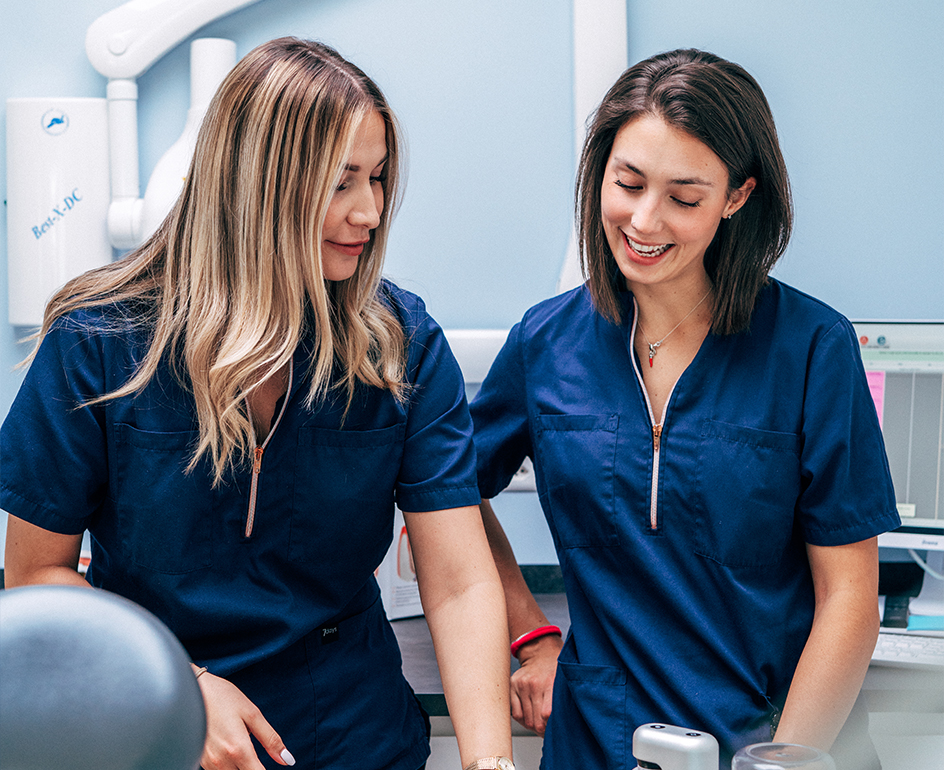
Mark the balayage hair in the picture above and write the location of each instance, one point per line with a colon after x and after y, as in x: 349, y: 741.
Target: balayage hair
x: 721, y: 105
x: 232, y: 280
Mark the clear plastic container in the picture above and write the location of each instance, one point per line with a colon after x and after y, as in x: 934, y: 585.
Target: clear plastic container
x: 774, y: 756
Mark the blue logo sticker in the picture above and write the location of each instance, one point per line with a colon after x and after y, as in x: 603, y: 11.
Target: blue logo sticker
x: 55, y: 122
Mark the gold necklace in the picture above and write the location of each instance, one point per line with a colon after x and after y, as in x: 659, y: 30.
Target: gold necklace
x: 654, y: 345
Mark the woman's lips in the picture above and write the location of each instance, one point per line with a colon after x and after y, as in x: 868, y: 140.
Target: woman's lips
x: 351, y: 249
x: 644, y: 251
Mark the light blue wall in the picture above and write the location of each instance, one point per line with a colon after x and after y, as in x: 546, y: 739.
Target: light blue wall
x: 484, y: 89
x: 857, y: 90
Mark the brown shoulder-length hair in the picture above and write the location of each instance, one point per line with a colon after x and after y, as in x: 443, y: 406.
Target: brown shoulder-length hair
x: 720, y: 104
x: 232, y: 280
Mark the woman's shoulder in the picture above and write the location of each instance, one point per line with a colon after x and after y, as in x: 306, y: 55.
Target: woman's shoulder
x: 112, y: 319
x: 791, y: 304
x: 408, y: 307
x: 397, y: 297
x: 797, y: 315
x: 559, y: 312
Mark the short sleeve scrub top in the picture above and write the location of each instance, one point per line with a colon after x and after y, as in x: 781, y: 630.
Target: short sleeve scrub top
x: 683, y: 554
x: 268, y: 581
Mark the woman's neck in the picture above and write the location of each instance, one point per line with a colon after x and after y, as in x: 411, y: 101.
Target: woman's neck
x: 669, y: 331
x: 663, y: 307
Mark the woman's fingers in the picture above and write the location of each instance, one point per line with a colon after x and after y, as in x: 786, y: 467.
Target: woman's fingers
x: 231, y: 717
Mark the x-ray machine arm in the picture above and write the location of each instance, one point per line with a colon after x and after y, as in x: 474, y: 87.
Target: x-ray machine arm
x: 121, y: 45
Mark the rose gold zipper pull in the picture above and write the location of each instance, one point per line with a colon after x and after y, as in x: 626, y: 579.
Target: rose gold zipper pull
x: 654, y: 492
x: 259, y: 449
x: 256, y: 468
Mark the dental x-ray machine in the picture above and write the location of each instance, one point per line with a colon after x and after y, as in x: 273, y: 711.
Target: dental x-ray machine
x: 73, y: 186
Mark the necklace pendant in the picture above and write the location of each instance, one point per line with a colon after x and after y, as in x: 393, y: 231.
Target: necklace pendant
x: 652, y: 353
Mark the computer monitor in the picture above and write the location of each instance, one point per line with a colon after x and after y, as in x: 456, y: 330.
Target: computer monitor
x: 904, y: 361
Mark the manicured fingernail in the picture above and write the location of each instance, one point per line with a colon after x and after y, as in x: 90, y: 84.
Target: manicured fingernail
x: 287, y: 757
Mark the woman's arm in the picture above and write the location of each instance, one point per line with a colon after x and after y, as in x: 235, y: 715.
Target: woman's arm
x: 531, y: 685
x: 35, y: 556
x: 837, y: 654
x: 464, y: 606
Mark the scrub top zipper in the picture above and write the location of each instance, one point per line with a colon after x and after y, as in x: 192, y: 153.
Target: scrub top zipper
x: 257, y: 453
x: 656, y: 433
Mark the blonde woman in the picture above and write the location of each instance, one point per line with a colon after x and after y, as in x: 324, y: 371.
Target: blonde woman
x: 233, y: 410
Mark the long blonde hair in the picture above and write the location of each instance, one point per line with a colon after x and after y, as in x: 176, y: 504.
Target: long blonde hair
x: 232, y: 280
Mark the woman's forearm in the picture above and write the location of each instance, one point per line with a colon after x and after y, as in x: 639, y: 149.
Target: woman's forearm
x: 836, y: 656
x: 476, y: 695
x: 524, y: 613
x: 532, y: 685
x: 826, y: 683
x: 465, y: 609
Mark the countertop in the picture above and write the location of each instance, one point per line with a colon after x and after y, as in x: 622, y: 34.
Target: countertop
x: 885, y: 689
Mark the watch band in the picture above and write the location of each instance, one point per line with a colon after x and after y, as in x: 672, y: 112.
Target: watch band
x: 492, y: 763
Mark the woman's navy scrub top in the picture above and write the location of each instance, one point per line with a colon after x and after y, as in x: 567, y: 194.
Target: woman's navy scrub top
x: 683, y: 557
x: 296, y: 586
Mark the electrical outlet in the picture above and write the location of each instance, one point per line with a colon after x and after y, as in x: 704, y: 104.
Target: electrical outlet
x: 523, y: 480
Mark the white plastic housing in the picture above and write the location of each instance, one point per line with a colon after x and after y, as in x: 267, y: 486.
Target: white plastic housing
x: 675, y: 748
x: 600, y: 55
x: 211, y: 59
x: 124, y: 42
x: 57, y: 198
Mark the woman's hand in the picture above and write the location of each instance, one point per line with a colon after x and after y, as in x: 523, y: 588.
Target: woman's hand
x: 231, y: 717
x: 532, y: 685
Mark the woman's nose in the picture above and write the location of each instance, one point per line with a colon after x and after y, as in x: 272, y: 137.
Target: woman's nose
x: 645, y: 218
x: 367, y: 206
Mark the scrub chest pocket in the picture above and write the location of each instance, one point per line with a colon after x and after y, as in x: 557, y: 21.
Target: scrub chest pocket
x: 748, y: 482
x: 166, y: 514
x: 576, y: 455
x: 352, y: 474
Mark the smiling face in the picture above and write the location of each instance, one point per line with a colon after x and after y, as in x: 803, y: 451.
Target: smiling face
x: 357, y: 203
x: 664, y: 194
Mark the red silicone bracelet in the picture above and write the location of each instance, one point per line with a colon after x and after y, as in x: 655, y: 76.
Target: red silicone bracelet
x: 537, y: 633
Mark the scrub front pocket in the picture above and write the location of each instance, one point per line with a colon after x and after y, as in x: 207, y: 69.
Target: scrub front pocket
x: 353, y: 474
x: 166, y: 514
x: 576, y: 454
x: 748, y: 483
x: 588, y: 726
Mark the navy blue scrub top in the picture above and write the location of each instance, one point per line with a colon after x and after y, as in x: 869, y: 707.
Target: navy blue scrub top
x: 169, y: 541
x: 693, y: 611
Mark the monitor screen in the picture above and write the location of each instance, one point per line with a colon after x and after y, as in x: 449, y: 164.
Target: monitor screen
x: 904, y: 362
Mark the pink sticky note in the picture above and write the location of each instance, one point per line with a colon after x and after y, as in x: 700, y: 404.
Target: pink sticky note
x: 876, y: 382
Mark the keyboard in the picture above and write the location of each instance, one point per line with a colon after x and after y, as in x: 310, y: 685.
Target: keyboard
x: 898, y: 649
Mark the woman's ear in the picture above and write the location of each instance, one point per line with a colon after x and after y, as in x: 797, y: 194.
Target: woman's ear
x: 739, y: 197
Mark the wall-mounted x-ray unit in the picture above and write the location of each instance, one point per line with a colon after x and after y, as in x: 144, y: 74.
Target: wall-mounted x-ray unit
x: 73, y: 192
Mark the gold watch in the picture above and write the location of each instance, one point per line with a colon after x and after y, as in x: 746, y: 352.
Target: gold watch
x: 492, y: 763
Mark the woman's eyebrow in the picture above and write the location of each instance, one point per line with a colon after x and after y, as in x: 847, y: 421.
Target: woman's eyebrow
x: 687, y: 181
x: 694, y: 181
x: 354, y: 169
